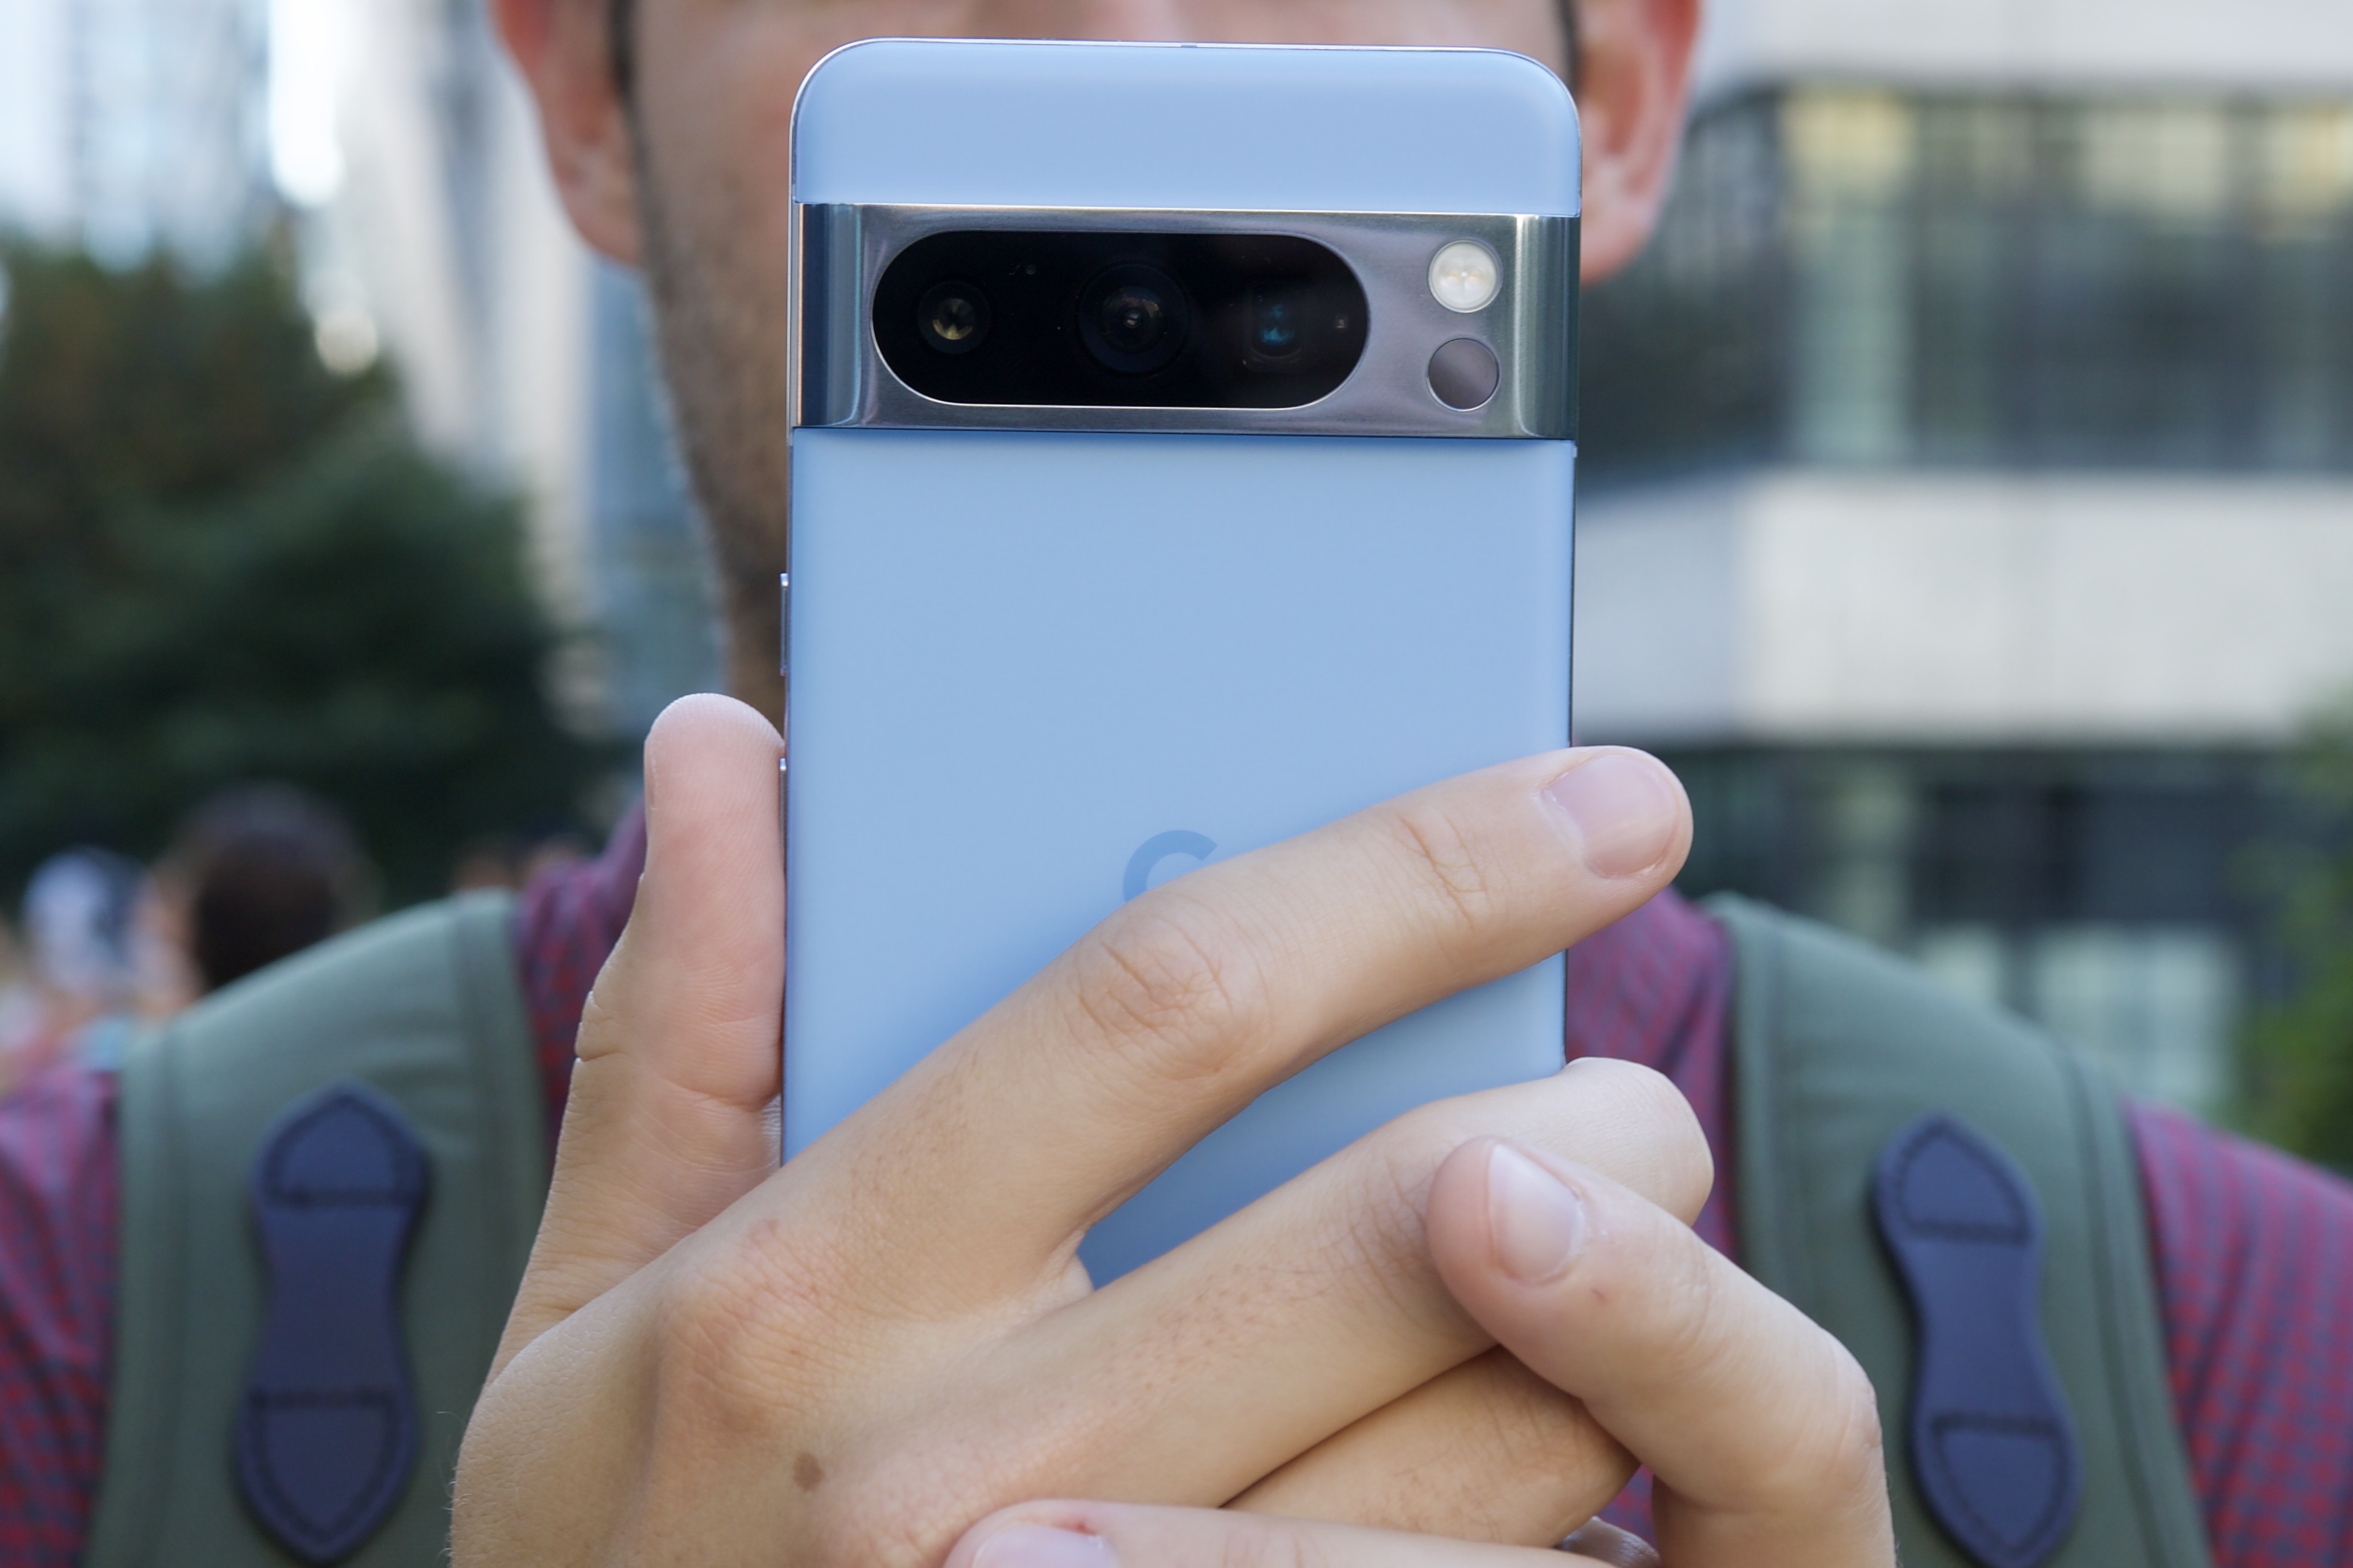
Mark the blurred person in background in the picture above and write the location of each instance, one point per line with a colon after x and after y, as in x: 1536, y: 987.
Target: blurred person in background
x: 513, y: 861
x: 82, y: 920
x: 258, y: 872
x: 713, y: 1361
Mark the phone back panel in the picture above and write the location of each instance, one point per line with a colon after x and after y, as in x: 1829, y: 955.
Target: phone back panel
x: 1029, y: 667
x: 1186, y: 125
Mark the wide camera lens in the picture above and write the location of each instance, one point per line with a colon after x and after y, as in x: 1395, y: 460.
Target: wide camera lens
x: 953, y: 318
x: 1132, y: 319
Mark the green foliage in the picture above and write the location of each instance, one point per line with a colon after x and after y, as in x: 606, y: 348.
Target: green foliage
x: 219, y: 561
x: 2301, y: 1052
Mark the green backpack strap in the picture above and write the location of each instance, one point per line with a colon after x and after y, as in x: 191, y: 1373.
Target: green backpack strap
x: 1836, y: 1047
x: 423, y: 1007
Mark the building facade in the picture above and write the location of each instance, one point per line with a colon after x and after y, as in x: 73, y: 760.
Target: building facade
x: 521, y: 354
x: 131, y: 125
x: 1968, y: 489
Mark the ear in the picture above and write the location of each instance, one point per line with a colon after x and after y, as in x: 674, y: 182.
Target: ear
x: 565, y: 54
x: 1633, y: 82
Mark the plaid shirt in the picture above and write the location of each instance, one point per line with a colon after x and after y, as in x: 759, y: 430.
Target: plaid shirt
x: 2255, y: 1252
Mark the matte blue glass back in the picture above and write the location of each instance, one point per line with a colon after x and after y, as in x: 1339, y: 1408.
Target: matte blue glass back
x: 1029, y: 666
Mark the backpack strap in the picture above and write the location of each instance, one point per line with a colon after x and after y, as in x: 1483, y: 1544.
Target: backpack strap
x: 417, y: 1018
x: 1839, y: 1052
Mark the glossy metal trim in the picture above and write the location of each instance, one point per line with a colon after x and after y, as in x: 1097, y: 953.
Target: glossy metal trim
x: 842, y: 380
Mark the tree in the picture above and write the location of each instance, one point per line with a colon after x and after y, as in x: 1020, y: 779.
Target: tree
x: 2302, y: 1051
x: 220, y: 562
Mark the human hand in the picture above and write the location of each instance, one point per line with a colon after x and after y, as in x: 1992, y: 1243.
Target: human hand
x: 1760, y: 1430
x: 854, y: 1357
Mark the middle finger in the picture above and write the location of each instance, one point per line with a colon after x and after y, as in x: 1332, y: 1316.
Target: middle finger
x: 1191, y: 1378
x: 1489, y: 1451
x: 982, y: 1167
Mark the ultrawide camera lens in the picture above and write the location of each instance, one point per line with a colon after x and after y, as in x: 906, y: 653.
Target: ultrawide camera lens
x: 953, y: 318
x: 1132, y: 319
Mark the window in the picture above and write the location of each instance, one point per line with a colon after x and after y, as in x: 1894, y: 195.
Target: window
x: 1857, y: 276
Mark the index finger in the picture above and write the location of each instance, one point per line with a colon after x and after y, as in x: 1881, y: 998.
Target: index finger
x: 984, y: 1164
x: 1761, y: 1429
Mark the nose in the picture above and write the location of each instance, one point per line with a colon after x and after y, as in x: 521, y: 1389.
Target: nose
x: 1144, y: 20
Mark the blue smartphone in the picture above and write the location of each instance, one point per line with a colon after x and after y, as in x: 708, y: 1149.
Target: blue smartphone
x: 1181, y: 458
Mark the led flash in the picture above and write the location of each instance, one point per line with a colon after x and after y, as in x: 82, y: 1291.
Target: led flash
x: 1465, y: 276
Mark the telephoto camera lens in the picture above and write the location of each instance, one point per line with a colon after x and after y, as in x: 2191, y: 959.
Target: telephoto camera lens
x: 1277, y: 314
x: 953, y: 318
x: 1132, y: 319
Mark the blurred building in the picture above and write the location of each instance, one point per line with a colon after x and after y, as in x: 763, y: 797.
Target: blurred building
x: 443, y: 241
x: 1969, y: 467
x: 388, y: 144
x: 1968, y: 487
x: 126, y: 125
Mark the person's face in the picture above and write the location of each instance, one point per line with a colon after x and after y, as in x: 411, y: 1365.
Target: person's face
x: 686, y: 178
x: 717, y: 77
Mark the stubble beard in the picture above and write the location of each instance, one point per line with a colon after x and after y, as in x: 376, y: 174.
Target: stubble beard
x: 719, y: 313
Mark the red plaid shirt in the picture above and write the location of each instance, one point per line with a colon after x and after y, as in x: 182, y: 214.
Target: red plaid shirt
x: 2255, y: 1252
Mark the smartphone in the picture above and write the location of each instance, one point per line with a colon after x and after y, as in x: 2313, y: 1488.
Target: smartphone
x: 1182, y: 453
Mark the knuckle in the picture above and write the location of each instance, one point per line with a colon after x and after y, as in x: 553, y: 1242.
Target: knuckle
x: 1381, y: 1237
x: 1443, y: 862
x: 708, y: 1355
x: 1698, y: 1327
x: 763, y: 1352
x: 1828, y: 1452
x: 1827, y: 1449
x: 1398, y: 1163
x: 745, y: 1342
x: 1409, y: 1149
x: 1849, y: 1454
x: 1173, y: 987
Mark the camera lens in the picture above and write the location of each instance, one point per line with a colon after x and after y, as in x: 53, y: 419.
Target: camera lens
x: 1277, y: 315
x: 1132, y: 319
x: 953, y: 318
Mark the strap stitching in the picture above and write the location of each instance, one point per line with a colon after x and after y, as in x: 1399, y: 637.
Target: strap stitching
x: 2017, y: 1233
x: 406, y: 1192
x: 1941, y: 1427
x: 388, y: 1445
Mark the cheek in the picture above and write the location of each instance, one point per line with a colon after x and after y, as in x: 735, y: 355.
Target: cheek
x: 715, y: 87
x: 1532, y: 27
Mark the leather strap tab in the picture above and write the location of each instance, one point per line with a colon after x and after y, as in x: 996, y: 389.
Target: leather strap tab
x: 326, y: 1434
x: 1992, y: 1448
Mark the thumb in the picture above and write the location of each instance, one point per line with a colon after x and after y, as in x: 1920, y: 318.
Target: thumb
x: 669, y: 1119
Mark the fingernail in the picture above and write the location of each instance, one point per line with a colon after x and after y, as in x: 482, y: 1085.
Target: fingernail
x: 1536, y: 1219
x: 1036, y: 1546
x: 1625, y: 808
